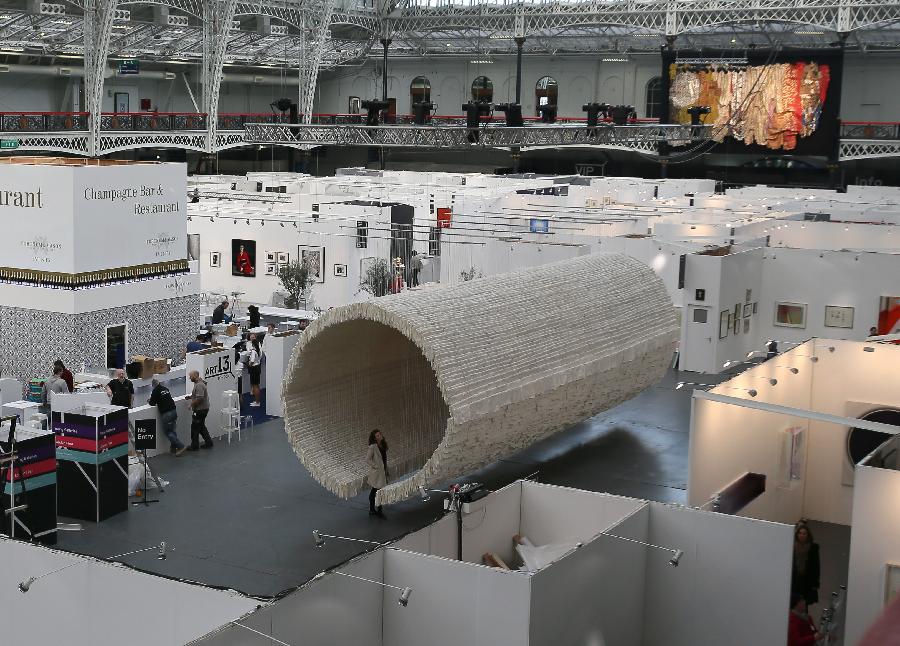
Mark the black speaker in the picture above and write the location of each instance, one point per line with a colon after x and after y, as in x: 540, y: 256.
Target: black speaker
x: 513, y: 113
x: 422, y: 112
x: 548, y: 112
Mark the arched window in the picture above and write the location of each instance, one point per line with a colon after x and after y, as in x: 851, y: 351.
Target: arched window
x: 654, y: 98
x: 419, y: 90
x: 546, y: 92
x: 482, y: 89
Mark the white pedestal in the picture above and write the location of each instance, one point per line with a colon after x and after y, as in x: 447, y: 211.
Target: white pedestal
x: 22, y: 408
x: 217, y: 369
x: 279, y: 347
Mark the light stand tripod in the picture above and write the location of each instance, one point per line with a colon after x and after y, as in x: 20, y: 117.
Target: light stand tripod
x: 144, y: 499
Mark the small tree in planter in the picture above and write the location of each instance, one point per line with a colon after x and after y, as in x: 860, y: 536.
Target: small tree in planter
x: 296, y: 279
x: 376, y: 279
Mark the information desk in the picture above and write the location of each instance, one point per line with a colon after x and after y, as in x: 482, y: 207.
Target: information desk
x: 30, y: 482
x: 92, y: 450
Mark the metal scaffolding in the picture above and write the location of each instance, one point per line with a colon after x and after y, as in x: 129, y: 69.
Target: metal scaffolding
x: 643, y: 137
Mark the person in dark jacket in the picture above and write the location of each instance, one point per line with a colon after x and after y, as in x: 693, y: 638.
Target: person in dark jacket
x: 161, y: 397
x: 219, y: 315
x: 801, y: 629
x: 253, y: 311
x: 805, y: 576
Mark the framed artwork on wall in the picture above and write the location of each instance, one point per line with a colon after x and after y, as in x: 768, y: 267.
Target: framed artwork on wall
x: 754, y: 307
x: 724, y: 323
x: 271, y: 269
x: 790, y: 315
x: 748, y: 310
x: 889, y: 315
x: 272, y: 256
x: 215, y: 258
x: 746, y: 326
x: 736, y: 323
x: 243, y: 258
x: 314, y: 258
x: 284, y: 257
x: 748, y: 296
x: 837, y: 316
x: 340, y: 270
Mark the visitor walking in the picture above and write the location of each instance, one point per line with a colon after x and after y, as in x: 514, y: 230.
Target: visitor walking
x: 199, y: 411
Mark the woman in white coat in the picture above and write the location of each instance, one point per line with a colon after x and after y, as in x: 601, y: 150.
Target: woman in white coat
x: 376, y: 458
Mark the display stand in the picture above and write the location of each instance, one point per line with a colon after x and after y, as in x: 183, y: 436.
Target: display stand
x: 28, y: 503
x: 279, y: 347
x: 92, y: 450
x: 22, y: 409
x: 217, y: 369
x: 145, y: 438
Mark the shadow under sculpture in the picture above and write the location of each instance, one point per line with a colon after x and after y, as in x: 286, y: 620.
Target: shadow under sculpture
x: 459, y: 376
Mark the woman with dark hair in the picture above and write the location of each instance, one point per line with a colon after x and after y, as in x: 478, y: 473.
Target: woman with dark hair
x: 254, y: 366
x: 376, y: 458
x: 253, y: 312
x: 805, y: 576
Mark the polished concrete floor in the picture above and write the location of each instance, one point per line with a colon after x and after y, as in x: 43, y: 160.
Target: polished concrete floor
x: 241, y: 516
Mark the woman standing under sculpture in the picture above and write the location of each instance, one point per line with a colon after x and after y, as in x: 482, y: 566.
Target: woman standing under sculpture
x: 376, y: 458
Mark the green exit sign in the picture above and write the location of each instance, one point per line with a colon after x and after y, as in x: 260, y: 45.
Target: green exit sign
x: 8, y: 144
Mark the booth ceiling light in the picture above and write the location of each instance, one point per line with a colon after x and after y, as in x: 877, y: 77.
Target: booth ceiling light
x: 676, y: 553
x: 405, y: 593
x: 25, y: 586
x: 320, y: 537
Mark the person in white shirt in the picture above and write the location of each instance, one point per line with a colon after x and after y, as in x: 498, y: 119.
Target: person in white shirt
x: 254, y: 364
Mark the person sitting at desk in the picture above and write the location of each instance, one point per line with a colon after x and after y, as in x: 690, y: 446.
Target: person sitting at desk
x: 198, y: 343
x: 219, y: 315
x: 253, y: 311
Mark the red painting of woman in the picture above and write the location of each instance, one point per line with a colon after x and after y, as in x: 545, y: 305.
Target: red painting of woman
x: 242, y: 264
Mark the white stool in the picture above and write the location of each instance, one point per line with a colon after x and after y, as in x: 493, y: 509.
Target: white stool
x: 231, y: 422
x: 247, y: 423
x: 231, y: 399
x: 41, y: 420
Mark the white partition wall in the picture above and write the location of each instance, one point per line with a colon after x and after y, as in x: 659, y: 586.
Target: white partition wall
x: 732, y: 585
x: 874, y: 547
x: 595, y: 595
x: 329, y: 610
x: 278, y: 348
x: 103, y: 604
x: 453, y: 603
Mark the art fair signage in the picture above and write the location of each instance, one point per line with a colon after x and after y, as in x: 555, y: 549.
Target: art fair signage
x: 74, y: 219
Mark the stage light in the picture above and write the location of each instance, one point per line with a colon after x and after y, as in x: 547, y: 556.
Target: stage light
x: 424, y: 494
x: 404, y: 596
x: 675, y: 559
x: 676, y: 553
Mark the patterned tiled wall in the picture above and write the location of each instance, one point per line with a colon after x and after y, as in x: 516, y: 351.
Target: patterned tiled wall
x: 30, y: 340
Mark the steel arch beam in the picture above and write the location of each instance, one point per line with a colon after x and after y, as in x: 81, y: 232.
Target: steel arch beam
x: 217, y: 17
x: 98, y: 21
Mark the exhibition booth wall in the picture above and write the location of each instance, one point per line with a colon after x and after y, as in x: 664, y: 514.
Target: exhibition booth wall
x: 875, y: 542
x: 836, y: 236
x: 597, y: 589
x: 809, y: 476
x: 784, y: 294
x: 98, y: 602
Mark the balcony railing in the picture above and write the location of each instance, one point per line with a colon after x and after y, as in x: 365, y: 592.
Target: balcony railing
x: 870, y: 130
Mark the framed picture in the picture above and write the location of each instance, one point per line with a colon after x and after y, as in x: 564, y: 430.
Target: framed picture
x: 272, y: 256
x: 748, y: 310
x: 746, y: 326
x: 314, y: 258
x: 837, y: 316
x: 790, y: 315
x: 736, y: 319
x: 271, y: 269
x: 243, y: 258
x: 748, y: 296
x: 284, y: 257
x: 888, y: 315
x: 340, y: 270
x: 215, y: 258
x: 754, y: 307
x: 724, y: 323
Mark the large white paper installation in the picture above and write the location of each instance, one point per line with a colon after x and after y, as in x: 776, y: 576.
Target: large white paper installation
x: 459, y: 376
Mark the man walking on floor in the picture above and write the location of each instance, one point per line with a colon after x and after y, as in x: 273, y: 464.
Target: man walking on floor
x: 199, y: 411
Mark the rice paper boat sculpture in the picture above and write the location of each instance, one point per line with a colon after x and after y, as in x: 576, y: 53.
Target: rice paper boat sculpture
x: 459, y: 376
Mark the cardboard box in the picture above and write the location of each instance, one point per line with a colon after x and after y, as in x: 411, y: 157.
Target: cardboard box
x: 231, y: 330
x: 161, y: 366
x: 148, y: 365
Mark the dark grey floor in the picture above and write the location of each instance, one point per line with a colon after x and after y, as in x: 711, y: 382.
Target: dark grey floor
x: 242, y: 516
